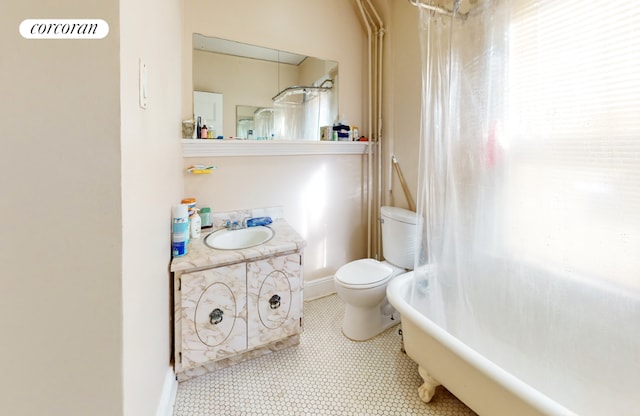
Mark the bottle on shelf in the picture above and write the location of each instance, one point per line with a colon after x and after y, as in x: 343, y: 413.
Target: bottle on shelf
x: 199, y: 128
x: 191, y: 209
x: 203, y: 133
x: 179, y: 230
x: 195, y: 224
x: 205, y: 216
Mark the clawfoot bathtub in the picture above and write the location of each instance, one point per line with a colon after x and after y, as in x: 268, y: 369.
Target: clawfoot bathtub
x: 443, y: 359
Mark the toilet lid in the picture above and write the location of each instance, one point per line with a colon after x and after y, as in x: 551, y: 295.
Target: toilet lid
x: 363, y: 272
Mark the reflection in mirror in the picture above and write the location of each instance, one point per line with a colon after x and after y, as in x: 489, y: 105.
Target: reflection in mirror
x: 287, y: 96
x: 244, y: 121
x: 255, y: 122
x: 207, y: 108
x: 263, y: 119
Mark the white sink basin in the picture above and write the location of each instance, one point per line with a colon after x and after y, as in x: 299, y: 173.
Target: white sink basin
x: 238, y: 239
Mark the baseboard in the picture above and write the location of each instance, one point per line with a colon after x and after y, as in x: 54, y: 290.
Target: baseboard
x: 169, y: 391
x: 319, y: 288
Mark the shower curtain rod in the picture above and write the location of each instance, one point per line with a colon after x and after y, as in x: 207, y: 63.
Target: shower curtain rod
x: 298, y: 90
x: 326, y: 85
x: 437, y: 9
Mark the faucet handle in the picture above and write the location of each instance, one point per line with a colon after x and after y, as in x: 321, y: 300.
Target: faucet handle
x: 244, y: 220
x: 232, y: 225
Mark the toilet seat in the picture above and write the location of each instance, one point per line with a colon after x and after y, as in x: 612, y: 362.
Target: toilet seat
x: 363, y: 274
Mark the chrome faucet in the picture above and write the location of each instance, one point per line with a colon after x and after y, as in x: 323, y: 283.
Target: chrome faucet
x: 234, y: 224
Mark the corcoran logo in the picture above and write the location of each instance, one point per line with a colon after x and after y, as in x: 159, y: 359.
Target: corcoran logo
x: 64, y: 28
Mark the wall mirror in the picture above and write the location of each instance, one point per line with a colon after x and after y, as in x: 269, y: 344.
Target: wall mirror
x: 268, y: 94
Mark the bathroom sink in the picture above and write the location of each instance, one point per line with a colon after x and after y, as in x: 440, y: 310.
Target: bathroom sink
x: 225, y: 239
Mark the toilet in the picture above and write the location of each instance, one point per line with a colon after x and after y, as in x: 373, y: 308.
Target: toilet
x: 362, y: 284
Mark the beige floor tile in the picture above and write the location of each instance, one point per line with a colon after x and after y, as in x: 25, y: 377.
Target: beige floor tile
x: 327, y: 374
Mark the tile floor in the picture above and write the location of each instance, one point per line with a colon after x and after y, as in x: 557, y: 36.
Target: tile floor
x: 327, y: 374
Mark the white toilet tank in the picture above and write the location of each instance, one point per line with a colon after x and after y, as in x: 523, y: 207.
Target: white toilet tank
x: 398, y: 236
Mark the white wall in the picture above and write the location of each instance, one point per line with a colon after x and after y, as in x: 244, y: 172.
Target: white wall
x: 401, y: 102
x: 151, y: 184
x: 89, y: 180
x: 322, y: 196
x: 402, y: 106
x: 61, y: 250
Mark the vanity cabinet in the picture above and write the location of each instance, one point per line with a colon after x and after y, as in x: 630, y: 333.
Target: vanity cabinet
x: 234, y: 312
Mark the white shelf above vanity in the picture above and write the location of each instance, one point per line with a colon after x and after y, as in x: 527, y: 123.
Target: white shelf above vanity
x: 214, y: 147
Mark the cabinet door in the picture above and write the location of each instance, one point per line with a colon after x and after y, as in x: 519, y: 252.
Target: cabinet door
x: 274, y: 290
x: 214, y: 314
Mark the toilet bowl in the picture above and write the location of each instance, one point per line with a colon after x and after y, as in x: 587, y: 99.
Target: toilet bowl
x: 362, y: 284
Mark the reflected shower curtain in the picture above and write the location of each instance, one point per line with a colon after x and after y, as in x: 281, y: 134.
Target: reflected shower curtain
x: 263, y: 121
x: 300, y: 115
x: 530, y: 192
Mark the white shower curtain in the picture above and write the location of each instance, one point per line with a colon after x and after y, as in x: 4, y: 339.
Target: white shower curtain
x: 530, y: 192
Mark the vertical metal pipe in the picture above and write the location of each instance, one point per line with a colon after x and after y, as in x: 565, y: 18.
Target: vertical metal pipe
x: 365, y: 18
x: 380, y: 31
x: 375, y: 135
x: 375, y: 38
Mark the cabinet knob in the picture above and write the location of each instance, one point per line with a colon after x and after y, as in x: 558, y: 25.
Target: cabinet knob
x: 274, y: 302
x: 215, y: 317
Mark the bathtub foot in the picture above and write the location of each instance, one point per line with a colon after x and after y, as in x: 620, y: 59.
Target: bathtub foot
x: 428, y: 388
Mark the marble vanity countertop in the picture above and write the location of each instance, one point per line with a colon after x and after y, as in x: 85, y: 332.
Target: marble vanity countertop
x: 199, y: 255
